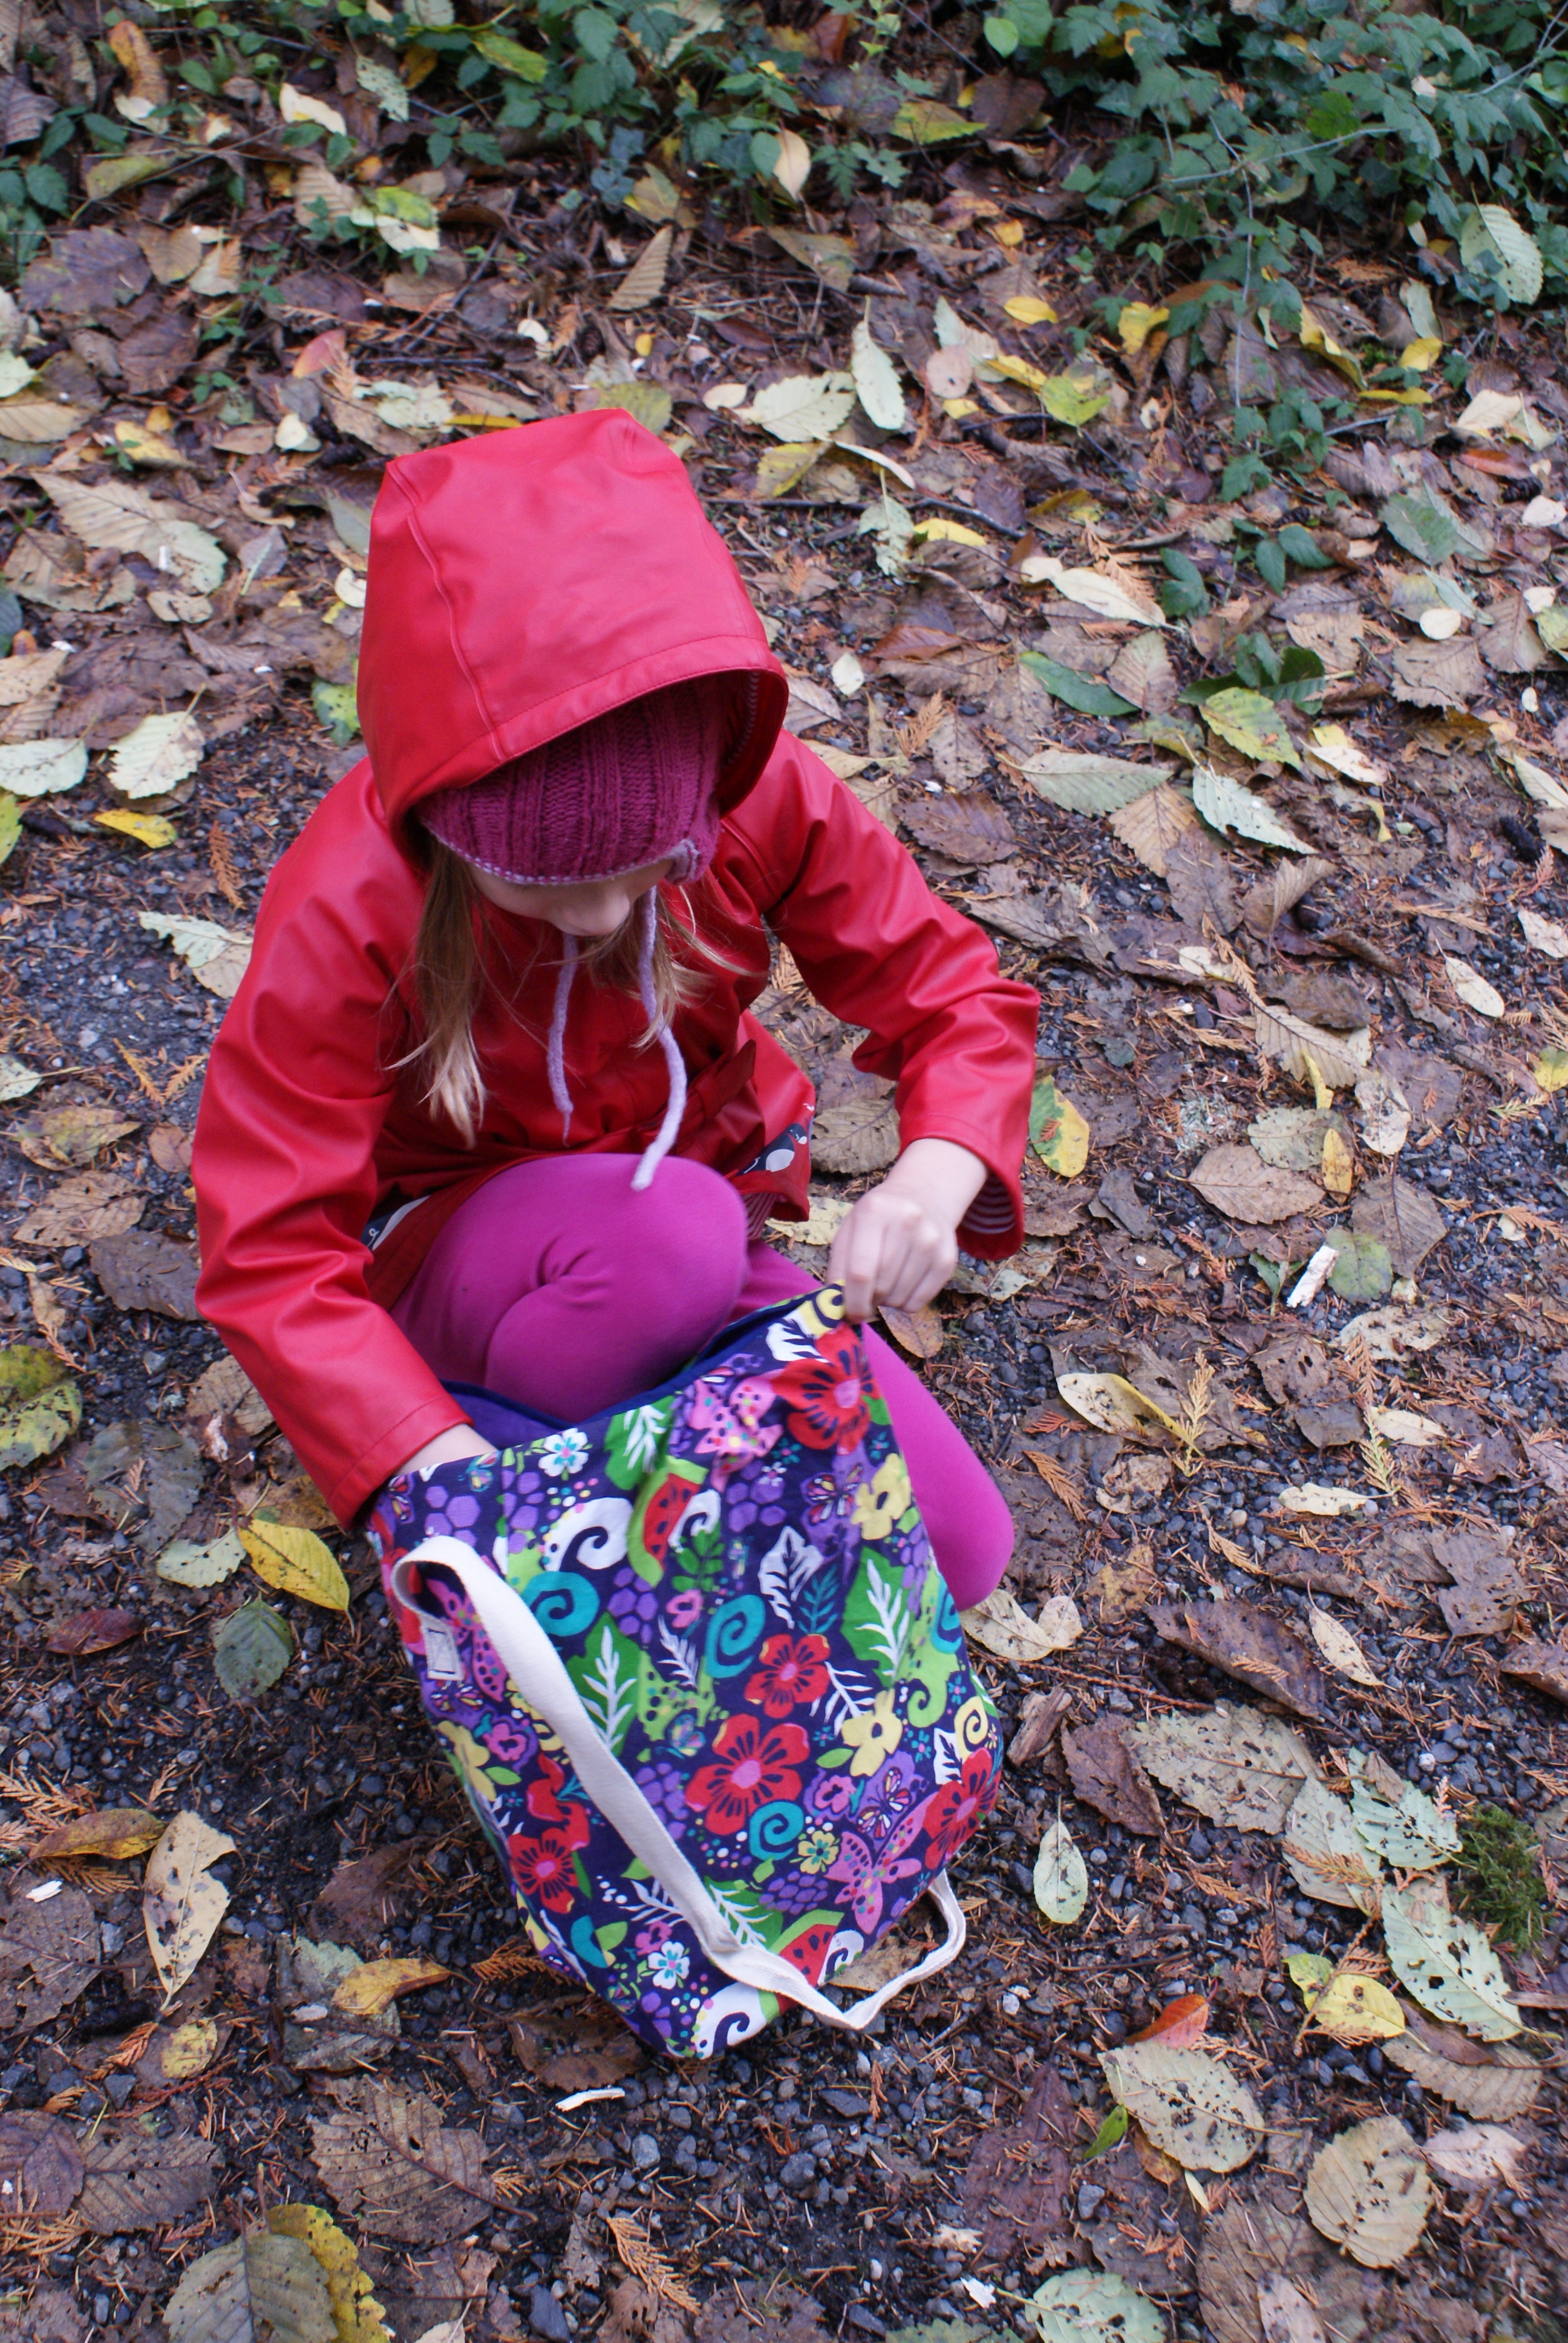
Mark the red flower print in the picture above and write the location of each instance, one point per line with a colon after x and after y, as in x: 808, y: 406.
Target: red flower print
x: 545, y: 1797
x: 952, y: 1812
x: 543, y: 1866
x: 752, y: 1766
x: 826, y: 1395
x: 791, y: 1673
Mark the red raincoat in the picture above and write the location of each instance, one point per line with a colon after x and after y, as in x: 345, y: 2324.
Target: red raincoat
x: 518, y: 584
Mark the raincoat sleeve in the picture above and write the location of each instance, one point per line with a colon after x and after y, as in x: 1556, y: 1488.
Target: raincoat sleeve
x: 297, y: 1091
x: 955, y: 1036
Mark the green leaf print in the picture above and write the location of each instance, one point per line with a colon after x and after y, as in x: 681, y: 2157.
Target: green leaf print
x: 635, y: 1442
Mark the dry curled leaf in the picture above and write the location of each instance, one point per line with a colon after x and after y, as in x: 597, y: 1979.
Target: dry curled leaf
x: 1236, y: 1766
x: 1249, y: 1644
x: 1368, y: 2191
x: 1496, y: 2083
x: 1003, y: 1626
x: 1477, y: 2155
x: 1107, y: 1775
x: 132, y: 2181
x: 182, y: 1903
x: 1188, y: 2103
x: 1237, y: 1182
x: 391, y: 2167
x: 41, y: 2168
x: 1326, y: 1854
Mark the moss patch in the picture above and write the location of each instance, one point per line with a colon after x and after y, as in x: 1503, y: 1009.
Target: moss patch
x: 1500, y: 1881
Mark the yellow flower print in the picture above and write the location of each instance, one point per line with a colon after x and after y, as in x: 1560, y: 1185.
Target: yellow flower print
x: 471, y: 1759
x: 874, y: 1734
x: 880, y: 1503
x: 817, y: 1850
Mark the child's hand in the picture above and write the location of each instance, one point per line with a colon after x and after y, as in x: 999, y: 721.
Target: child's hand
x: 899, y: 1245
x: 448, y: 1447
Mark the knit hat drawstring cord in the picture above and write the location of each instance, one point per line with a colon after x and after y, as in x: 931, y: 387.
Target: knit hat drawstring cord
x: 674, y: 1113
x: 668, y: 1130
x: 555, y: 1053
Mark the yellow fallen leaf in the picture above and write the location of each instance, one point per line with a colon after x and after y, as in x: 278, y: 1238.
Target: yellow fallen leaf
x: 1057, y: 1131
x: 781, y: 469
x: 1029, y: 309
x: 359, y: 2318
x: 187, y: 2050
x: 1552, y: 1068
x: 150, y: 448
x: 296, y: 1561
x: 1314, y: 336
x: 1114, y: 1404
x: 366, y: 1991
x: 948, y: 532
x: 1354, y: 2009
x: 1419, y: 354
x: 1332, y: 745
x: 1136, y: 323
x: 1338, y: 1168
x: 1019, y: 370
x: 117, y: 1832
x: 150, y: 830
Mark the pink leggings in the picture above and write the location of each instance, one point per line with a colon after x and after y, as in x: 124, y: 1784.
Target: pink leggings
x: 559, y: 1286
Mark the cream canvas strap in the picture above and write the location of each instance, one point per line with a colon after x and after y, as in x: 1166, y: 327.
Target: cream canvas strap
x: 535, y: 1667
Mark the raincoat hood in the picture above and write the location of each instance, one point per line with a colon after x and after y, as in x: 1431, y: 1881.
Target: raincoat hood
x: 526, y: 581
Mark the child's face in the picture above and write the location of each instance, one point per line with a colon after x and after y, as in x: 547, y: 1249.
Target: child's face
x: 596, y: 909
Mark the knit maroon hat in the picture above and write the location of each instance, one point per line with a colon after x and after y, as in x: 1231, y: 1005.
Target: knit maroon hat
x: 633, y: 787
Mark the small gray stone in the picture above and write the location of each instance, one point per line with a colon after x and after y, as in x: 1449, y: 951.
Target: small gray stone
x: 547, y: 2318
x: 1089, y: 2199
x: 645, y: 2151
x: 799, y: 2173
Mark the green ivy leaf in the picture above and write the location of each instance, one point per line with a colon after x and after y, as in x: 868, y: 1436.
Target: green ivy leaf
x: 1187, y: 594
x: 1303, y: 547
x: 1270, y: 556
x: 1244, y: 476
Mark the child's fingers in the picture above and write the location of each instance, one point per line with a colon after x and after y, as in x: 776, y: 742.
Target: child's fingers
x: 854, y: 1261
x: 922, y: 1272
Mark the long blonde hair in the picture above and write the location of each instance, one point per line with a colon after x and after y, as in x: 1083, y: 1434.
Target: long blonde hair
x: 451, y: 975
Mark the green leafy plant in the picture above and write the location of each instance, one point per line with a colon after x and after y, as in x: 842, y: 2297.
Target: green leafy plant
x: 1499, y: 1870
x: 1234, y: 117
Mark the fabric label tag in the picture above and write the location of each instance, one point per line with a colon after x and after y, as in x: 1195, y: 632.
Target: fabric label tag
x: 441, y: 1659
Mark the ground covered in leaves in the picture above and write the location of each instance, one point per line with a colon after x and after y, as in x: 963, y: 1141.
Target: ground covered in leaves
x: 1263, y: 787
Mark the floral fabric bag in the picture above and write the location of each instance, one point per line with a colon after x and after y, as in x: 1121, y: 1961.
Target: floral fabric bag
x: 701, y: 1680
